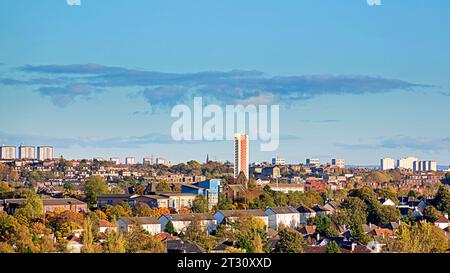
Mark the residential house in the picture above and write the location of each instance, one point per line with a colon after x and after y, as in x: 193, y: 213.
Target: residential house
x: 106, y: 226
x: 49, y: 205
x: 115, y: 199
x: 285, y: 216
x: 149, y: 224
x: 182, y: 221
x: 387, y: 202
x: 442, y: 222
x: 227, y: 216
x: 320, y: 210
x: 181, y: 246
x: 331, y: 206
x: 305, y: 214
x: 286, y: 188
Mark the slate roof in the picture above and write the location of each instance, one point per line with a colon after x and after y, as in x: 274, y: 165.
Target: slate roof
x: 237, y: 213
x: 283, y: 210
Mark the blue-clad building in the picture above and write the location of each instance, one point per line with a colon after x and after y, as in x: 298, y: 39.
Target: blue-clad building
x: 208, y: 188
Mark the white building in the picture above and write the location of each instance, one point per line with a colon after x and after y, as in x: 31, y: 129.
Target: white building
x: 406, y: 163
x: 387, y: 164
x: 278, y: 161
x: 427, y: 165
x: 241, y: 155
x: 182, y: 221
x: 149, y: 224
x: 7, y: 152
x: 44, y: 152
x: 340, y: 163
x: 283, y: 216
x: 27, y: 152
x: 233, y: 215
x: 312, y: 162
x: 147, y: 161
x: 160, y: 161
x: 115, y: 160
x: 305, y: 214
x: 285, y: 188
x: 130, y: 160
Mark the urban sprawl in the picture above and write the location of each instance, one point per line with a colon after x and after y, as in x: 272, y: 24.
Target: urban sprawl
x: 50, y: 205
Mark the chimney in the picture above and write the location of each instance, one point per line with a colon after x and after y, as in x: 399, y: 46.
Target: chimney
x: 353, y: 247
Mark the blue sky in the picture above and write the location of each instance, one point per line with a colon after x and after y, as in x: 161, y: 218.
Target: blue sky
x: 354, y: 81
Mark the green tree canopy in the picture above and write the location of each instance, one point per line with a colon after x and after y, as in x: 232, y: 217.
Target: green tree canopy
x: 95, y: 185
x: 290, y: 241
x: 200, y: 204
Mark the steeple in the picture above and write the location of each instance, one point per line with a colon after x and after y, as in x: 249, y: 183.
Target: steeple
x: 207, y: 158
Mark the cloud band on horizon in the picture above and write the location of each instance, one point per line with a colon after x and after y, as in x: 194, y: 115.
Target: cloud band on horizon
x: 65, y: 83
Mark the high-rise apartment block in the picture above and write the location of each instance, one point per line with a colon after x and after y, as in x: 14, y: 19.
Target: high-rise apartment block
x: 147, y: 161
x: 27, y: 152
x: 130, y: 160
x: 312, y: 162
x: 7, y: 152
x: 278, y: 161
x: 241, y: 153
x: 427, y: 165
x: 115, y: 160
x: 387, y: 164
x: 406, y: 163
x: 44, y: 153
x: 340, y: 163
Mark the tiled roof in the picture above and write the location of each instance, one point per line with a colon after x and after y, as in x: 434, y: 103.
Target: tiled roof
x: 441, y: 220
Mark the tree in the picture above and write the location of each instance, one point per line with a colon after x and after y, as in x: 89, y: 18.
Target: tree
x: 143, y: 210
x: 163, y: 187
x: 200, y: 204
x: 358, y: 233
x: 94, y: 186
x: 442, y: 200
x: 115, y: 242
x: 88, y: 237
x: 431, y: 214
x: 140, y: 241
x: 420, y: 238
x: 388, y: 214
x: 15, y: 234
x: 121, y: 210
x: 8, y: 173
x: 169, y: 228
x: 250, y: 234
x: 5, y: 190
x: 290, y: 241
x: 325, y: 226
x: 32, y: 208
x: 333, y: 247
x: 197, y: 233
x: 6, y: 248
x: 234, y: 250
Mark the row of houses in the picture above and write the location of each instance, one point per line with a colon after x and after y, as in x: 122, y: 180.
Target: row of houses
x: 273, y: 218
x: 173, y: 200
x: 49, y: 205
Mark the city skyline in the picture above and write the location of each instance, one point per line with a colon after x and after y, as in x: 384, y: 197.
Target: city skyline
x: 380, y: 91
